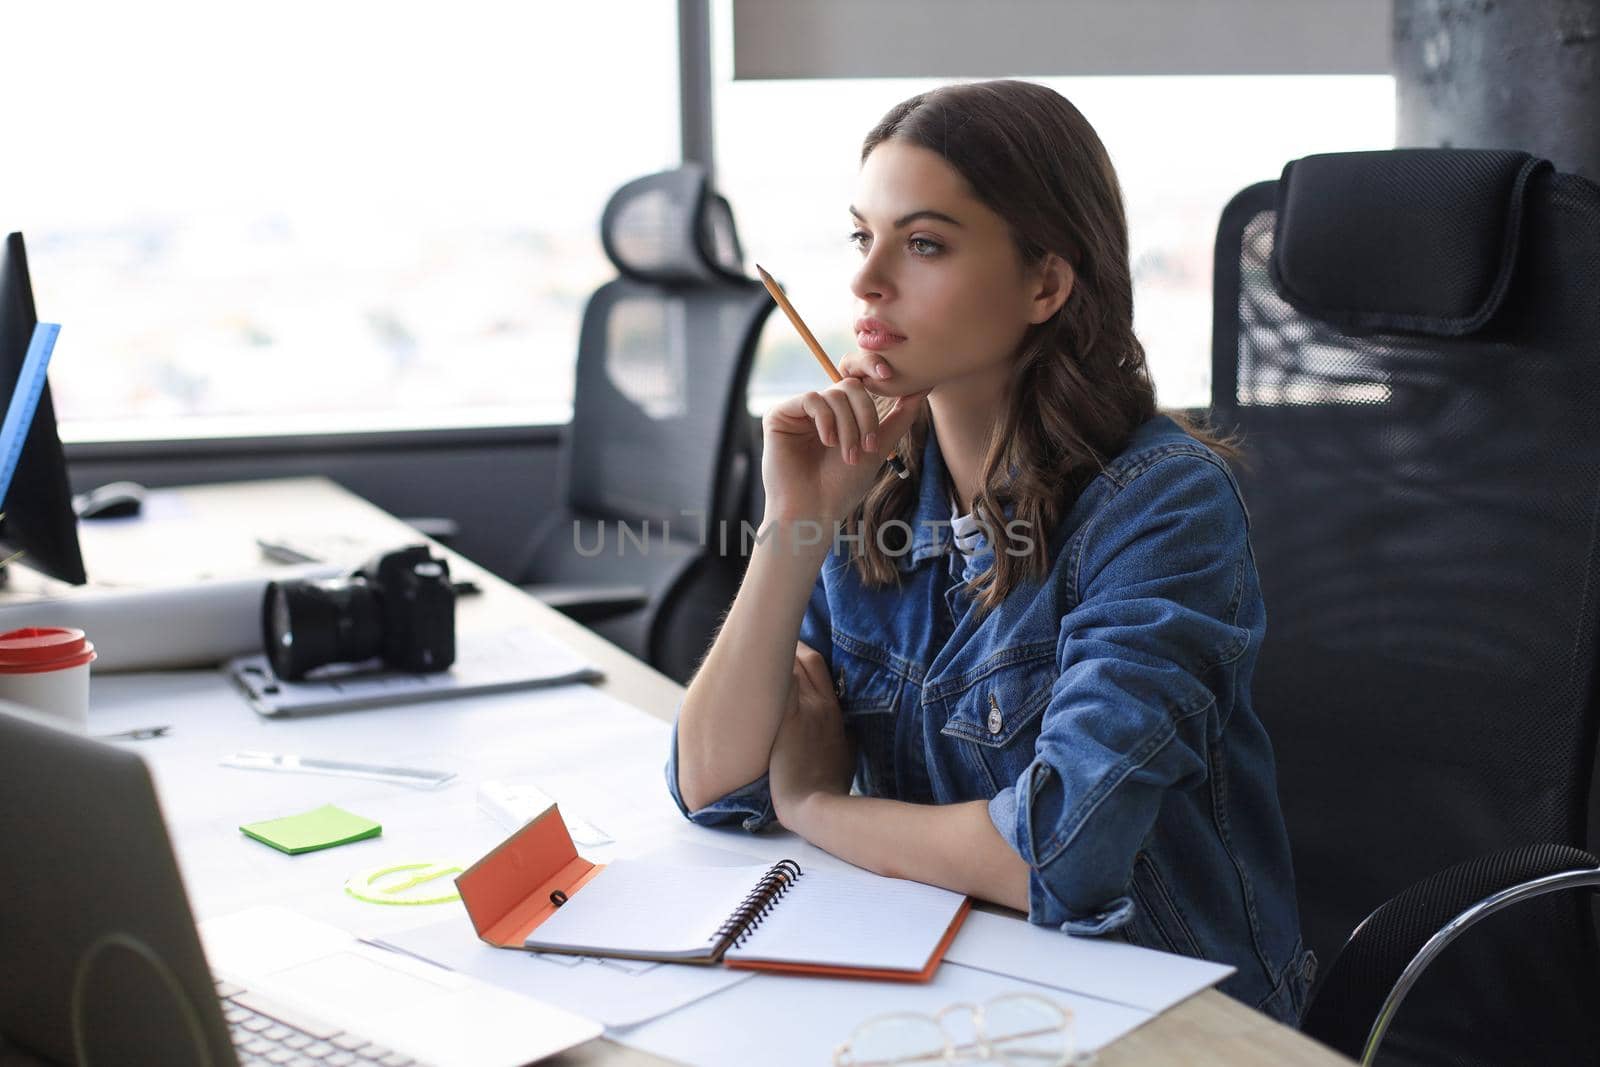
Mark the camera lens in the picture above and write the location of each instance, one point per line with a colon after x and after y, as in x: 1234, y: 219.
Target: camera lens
x: 308, y: 624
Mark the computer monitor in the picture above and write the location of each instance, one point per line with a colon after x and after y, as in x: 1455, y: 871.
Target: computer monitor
x: 39, y: 521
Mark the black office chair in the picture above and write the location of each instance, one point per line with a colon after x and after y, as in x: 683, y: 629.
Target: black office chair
x: 657, y: 462
x: 1409, y: 342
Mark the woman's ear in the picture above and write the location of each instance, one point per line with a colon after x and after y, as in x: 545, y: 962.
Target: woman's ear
x: 1055, y: 280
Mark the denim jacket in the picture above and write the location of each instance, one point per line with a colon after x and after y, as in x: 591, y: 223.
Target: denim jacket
x: 1103, y: 713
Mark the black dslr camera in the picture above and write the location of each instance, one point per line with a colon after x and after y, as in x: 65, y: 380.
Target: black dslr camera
x: 400, y: 608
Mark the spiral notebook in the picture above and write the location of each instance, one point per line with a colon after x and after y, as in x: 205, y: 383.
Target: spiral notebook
x: 534, y: 892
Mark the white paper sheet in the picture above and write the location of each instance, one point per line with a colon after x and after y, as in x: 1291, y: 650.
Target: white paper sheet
x: 617, y: 992
x: 1109, y: 970
x: 595, y: 755
x: 776, y: 1020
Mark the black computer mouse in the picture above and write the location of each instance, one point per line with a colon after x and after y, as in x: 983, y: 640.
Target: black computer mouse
x: 114, y: 500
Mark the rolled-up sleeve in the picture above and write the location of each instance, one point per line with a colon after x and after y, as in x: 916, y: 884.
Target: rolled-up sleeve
x: 1142, y: 685
x: 750, y: 806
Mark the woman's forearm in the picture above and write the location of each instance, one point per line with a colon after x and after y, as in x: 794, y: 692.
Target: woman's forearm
x: 736, y: 700
x: 954, y: 846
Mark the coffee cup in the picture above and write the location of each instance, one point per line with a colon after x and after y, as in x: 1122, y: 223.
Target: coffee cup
x: 46, y: 668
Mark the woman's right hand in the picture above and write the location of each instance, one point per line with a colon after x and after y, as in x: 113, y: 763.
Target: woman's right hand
x: 822, y: 451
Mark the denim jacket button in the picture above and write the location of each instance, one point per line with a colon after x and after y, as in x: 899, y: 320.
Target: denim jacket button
x: 995, y: 720
x: 838, y: 686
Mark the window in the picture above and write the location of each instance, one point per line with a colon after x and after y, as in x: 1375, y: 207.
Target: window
x: 324, y: 217
x: 1182, y: 146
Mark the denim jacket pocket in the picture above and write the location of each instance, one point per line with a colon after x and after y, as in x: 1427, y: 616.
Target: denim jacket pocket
x: 1157, y: 921
x: 869, y: 697
x: 999, y: 715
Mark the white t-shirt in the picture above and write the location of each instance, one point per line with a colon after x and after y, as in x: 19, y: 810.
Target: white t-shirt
x: 966, y: 531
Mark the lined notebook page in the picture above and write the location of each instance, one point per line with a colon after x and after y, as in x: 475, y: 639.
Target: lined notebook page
x: 853, y: 919
x: 655, y: 910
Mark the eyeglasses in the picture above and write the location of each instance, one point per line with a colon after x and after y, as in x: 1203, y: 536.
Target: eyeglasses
x: 1018, y: 1029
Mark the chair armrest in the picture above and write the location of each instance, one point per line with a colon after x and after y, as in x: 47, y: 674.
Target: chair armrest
x: 1386, y: 954
x: 590, y: 603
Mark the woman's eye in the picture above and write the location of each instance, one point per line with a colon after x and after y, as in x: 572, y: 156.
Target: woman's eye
x: 920, y: 246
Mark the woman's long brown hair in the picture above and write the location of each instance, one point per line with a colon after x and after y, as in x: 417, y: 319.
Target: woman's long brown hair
x: 1080, y: 385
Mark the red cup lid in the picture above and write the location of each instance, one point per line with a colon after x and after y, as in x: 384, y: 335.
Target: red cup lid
x: 35, y: 649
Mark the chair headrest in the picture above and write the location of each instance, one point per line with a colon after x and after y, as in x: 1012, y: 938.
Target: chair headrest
x: 671, y: 228
x: 1413, y: 240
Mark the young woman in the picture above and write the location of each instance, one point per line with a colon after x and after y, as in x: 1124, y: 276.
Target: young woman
x: 1033, y: 656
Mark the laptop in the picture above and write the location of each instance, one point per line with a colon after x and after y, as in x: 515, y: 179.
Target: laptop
x: 101, y: 962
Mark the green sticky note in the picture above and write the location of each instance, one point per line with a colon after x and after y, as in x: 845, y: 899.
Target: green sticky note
x: 325, y: 827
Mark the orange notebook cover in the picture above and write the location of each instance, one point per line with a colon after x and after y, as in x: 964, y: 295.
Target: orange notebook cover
x: 521, y: 882
x: 520, y: 885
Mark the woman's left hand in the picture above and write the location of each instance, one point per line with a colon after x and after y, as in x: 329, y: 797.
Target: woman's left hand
x: 812, y: 753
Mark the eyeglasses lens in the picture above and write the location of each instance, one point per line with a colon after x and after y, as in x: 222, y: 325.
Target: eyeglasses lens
x: 895, y: 1039
x: 1028, y: 1031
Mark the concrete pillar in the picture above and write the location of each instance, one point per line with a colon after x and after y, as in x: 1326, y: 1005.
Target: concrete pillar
x: 1501, y: 74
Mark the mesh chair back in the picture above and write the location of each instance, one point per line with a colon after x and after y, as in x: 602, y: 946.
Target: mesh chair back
x: 1408, y: 341
x: 1372, y: 966
x: 664, y: 360
x: 660, y: 444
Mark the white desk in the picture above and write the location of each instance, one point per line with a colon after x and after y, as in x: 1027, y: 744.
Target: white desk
x: 574, y: 748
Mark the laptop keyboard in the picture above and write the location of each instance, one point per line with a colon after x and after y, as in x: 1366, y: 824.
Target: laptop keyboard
x: 267, y: 1032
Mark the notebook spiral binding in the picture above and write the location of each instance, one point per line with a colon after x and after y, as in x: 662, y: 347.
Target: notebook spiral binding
x: 758, y: 904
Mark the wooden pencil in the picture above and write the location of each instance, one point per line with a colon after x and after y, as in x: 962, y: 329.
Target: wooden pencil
x: 810, y: 339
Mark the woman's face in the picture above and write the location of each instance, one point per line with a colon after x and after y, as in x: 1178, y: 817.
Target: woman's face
x: 942, y: 293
